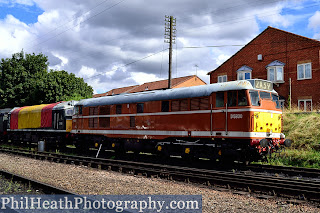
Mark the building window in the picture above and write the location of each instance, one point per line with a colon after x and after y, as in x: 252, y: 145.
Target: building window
x: 304, y: 71
x: 275, y: 74
x: 244, y: 73
x: 222, y: 78
x: 305, y: 104
x: 275, y: 71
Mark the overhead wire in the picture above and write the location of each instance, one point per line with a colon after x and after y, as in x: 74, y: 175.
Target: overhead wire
x: 64, y: 24
x: 108, y: 8
x: 125, y: 65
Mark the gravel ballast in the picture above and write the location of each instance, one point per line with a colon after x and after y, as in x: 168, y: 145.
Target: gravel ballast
x: 83, y: 180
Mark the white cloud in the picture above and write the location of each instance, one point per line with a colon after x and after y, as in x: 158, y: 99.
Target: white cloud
x: 141, y: 77
x: 314, y: 21
x: 87, y: 72
x: 91, y: 38
x: 13, y: 35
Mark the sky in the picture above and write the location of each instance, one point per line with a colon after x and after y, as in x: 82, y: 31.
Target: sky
x: 118, y: 43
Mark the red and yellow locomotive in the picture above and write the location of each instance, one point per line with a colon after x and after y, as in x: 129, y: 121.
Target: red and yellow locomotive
x: 237, y: 120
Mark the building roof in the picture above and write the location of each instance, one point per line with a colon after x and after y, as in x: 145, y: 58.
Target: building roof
x: 267, y: 29
x: 244, y: 68
x: 155, y: 85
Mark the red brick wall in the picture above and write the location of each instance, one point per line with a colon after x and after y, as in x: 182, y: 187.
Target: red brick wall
x: 286, y: 47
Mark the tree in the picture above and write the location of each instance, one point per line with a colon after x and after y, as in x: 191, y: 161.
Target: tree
x: 25, y: 80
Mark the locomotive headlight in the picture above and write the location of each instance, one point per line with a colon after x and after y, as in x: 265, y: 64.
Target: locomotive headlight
x: 187, y: 150
x: 159, y: 148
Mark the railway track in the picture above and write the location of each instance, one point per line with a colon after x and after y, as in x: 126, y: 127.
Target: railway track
x: 299, y: 188
x: 45, y: 188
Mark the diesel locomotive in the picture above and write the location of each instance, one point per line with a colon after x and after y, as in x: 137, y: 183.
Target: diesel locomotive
x: 236, y: 120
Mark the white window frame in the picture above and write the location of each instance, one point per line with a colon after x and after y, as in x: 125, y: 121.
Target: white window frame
x: 244, y: 74
x: 276, y: 74
x: 304, y: 104
x: 304, y: 71
x: 221, y: 78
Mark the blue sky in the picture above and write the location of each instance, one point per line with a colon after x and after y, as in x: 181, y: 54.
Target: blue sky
x: 25, y: 13
x: 99, y: 40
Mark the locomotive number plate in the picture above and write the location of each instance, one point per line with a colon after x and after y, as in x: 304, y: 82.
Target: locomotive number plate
x: 265, y: 85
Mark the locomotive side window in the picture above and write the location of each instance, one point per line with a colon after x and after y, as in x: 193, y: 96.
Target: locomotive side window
x: 93, y: 122
x: 275, y: 99
x: 242, y: 98
x: 220, y: 99
x: 254, y: 95
x: 232, y: 98
x: 118, y: 109
x: 78, y: 110
x: 204, y: 103
x: 140, y: 108
x: 184, y: 105
x: 195, y: 104
x: 199, y: 103
x: 165, y: 106
x: 175, y: 105
x: 179, y: 105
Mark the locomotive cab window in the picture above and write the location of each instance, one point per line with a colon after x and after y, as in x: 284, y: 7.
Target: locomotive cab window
x: 78, y: 110
x: 220, y: 99
x: 254, y: 96
x: 232, y: 98
x: 242, y: 98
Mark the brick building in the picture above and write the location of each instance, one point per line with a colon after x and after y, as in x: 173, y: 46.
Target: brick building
x: 289, y: 60
x: 186, y: 81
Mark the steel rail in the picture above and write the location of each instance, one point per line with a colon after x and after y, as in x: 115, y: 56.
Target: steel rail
x: 253, y: 182
x: 45, y: 188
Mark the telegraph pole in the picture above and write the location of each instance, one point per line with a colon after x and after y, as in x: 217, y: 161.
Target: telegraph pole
x: 170, y: 37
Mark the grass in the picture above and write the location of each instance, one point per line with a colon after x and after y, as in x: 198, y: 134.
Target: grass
x: 304, y: 130
x: 297, y: 158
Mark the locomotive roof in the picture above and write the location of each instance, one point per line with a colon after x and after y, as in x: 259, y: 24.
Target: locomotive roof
x: 168, y: 94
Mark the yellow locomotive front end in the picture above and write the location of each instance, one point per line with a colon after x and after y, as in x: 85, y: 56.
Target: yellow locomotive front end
x: 266, y: 118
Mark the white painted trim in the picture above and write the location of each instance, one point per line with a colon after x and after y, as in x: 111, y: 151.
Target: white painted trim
x: 35, y: 130
x: 180, y: 133
x: 180, y: 113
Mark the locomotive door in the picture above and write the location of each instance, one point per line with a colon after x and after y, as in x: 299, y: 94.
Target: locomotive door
x: 219, y: 114
x: 79, y: 119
